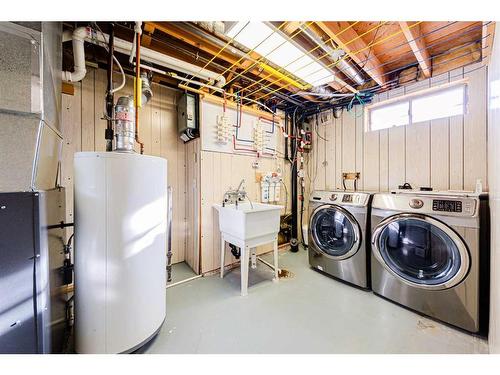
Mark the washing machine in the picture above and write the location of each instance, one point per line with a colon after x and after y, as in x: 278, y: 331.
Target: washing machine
x: 430, y: 253
x: 338, y: 236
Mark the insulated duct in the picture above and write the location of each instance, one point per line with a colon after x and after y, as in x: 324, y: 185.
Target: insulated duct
x: 125, y: 47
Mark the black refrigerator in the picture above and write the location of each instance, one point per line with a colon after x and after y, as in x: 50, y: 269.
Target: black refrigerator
x: 32, y: 293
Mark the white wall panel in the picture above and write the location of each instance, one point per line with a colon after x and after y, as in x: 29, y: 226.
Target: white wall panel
x: 494, y: 179
x: 445, y: 154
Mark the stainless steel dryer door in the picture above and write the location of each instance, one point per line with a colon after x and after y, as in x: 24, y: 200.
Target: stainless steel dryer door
x: 421, y: 251
x: 334, y: 232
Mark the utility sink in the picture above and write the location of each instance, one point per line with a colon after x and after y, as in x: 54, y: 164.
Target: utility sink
x: 249, y: 222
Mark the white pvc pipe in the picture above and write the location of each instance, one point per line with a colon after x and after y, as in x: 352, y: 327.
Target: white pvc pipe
x: 184, y: 281
x: 82, y: 34
x: 78, y: 37
x: 159, y: 58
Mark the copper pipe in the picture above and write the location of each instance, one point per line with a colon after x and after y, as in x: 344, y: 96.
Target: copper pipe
x: 137, y: 88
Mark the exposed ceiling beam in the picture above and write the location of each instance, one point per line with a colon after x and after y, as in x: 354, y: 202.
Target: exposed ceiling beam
x: 291, y: 26
x: 176, y: 31
x: 417, y: 44
x: 338, y: 83
x: 488, y: 33
x: 149, y: 29
x: 350, y: 42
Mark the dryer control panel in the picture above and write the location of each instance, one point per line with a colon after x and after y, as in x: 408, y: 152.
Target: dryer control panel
x: 427, y: 204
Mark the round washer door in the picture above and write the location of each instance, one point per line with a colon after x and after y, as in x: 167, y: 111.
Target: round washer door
x: 335, y: 232
x: 421, y: 251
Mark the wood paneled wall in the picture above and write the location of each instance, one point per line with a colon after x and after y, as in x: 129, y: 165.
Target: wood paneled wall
x: 447, y: 153
x: 219, y: 172
x: 83, y: 130
x: 210, y: 175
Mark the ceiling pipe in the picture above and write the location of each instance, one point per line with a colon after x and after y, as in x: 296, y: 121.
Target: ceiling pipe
x: 86, y: 34
x: 343, y: 65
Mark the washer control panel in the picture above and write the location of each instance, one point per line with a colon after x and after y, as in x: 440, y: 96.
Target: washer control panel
x: 341, y: 197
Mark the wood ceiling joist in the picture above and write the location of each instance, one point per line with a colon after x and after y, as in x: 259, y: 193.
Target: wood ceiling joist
x: 177, y: 32
x: 488, y: 32
x: 149, y: 29
x: 185, y: 36
x: 417, y: 44
x: 291, y: 26
x: 350, y: 42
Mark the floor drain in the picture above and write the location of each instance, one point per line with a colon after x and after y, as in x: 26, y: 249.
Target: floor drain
x: 284, y: 274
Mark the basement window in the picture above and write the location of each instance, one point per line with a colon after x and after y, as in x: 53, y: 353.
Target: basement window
x: 390, y: 115
x: 426, y: 105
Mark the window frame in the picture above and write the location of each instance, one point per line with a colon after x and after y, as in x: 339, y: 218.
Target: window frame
x: 416, y: 95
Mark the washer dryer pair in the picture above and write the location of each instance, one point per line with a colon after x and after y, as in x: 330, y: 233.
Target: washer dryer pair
x: 427, y: 251
x: 430, y: 253
x: 338, y: 235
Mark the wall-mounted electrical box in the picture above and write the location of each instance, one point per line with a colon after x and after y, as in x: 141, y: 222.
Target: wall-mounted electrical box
x: 188, y: 117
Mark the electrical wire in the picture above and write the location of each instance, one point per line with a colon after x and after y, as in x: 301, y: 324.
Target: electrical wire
x: 298, y: 58
x: 316, y: 129
x: 380, y: 88
x: 249, y: 52
x: 124, y: 78
x: 371, y: 48
x: 166, y: 44
x: 262, y: 58
x: 222, y: 49
x: 317, y: 60
x: 334, y: 64
x: 395, y: 48
x: 286, y: 196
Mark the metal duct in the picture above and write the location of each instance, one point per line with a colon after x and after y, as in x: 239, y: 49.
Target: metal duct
x: 343, y: 65
x: 30, y: 105
x: 125, y: 124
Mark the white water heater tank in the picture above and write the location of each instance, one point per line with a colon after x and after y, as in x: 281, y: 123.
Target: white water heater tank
x: 120, y: 250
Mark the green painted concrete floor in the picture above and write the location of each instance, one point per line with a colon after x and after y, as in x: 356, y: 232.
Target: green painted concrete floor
x: 307, y: 313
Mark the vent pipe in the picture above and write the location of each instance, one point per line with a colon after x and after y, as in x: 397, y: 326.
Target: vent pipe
x: 81, y: 34
x: 77, y: 37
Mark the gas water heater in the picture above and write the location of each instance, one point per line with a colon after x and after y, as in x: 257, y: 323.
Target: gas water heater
x: 120, y: 250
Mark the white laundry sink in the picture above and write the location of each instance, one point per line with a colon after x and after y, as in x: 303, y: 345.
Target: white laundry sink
x: 247, y: 222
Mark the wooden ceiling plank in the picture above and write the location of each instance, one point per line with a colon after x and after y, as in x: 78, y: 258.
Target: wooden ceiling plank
x: 417, y: 44
x: 350, y: 42
x: 488, y: 31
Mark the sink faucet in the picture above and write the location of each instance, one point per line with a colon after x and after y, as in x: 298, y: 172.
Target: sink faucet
x: 234, y: 196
